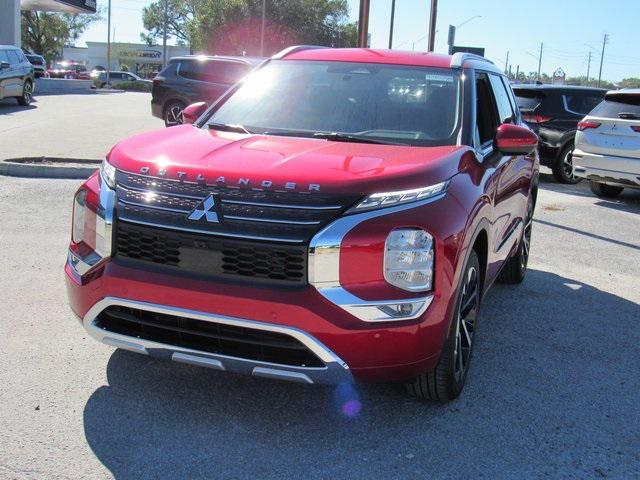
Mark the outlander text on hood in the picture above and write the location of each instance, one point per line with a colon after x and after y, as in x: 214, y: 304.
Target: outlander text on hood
x: 337, y: 215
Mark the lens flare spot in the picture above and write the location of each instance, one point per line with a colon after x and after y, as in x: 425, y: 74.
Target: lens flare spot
x: 347, y: 400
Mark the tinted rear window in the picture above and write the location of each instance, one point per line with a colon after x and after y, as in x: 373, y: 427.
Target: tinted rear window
x: 34, y: 59
x: 528, y: 99
x: 581, y: 103
x: 613, y: 106
x: 213, y: 71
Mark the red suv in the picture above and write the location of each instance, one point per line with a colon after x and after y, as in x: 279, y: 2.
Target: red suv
x: 339, y: 214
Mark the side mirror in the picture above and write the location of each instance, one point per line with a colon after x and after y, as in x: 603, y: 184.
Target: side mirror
x: 191, y: 113
x: 515, y: 140
x: 4, y: 65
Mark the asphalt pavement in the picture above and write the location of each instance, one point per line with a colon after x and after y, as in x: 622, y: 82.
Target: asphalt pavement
x: 553, y: 387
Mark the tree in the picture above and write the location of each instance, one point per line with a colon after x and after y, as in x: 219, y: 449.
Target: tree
x: 234, y: 26
x: 46, y: 33
x: 631, y: 82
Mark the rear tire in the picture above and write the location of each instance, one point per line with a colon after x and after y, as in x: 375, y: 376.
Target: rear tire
x: 173, y: 114
x: 515, y: 268
x: 27, y: 94
x: 563, y: 166
x: 603, y: 190
x: 447, y: 380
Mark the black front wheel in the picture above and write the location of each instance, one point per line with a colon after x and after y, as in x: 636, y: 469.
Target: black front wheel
x: 515, y: 267
x: 447, y: 380
x: 27, y: 94
x: 563, y: 166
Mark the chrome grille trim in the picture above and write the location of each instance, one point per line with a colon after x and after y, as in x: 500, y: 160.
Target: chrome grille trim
x: 269, y: 220
x: 275, y: 205
x: 153, y: 207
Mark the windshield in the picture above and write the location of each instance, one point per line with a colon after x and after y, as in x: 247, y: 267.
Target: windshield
x: 387, y: 103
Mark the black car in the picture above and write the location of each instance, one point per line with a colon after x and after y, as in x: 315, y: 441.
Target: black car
x: 38, y: 63
x: 191, y: 79
x: 16, y: 75
x: 553, y: 112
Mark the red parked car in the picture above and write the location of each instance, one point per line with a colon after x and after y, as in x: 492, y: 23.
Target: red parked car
x: 66, y: 69
x: 339, y: 214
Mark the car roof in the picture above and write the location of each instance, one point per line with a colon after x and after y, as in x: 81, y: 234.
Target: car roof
x: 247, y: 60
x: 624, y: 91
x: 550, y: 87
x: 391, y: 57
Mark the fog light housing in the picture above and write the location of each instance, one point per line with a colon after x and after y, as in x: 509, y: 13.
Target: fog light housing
x: 408, y: 259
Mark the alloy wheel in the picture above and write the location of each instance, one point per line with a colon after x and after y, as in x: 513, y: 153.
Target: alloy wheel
x: 174, y: 116
x: 465, y: 323
x: 27, y: 93
x: 567, y: 165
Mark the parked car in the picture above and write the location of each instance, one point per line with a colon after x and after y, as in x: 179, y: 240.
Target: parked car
x: 38, y: 62
x: 119, y: 77
x: 339, y: 214
x: 16, y: 75
x: 608, y: 144
x: 191, y: 79
x: 65, y: 69
x: 553, y: 112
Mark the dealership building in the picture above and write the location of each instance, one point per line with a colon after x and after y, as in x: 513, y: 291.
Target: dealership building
x: 10, y: 14
x: 139, y: 58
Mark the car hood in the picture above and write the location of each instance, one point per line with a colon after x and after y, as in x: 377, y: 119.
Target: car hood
x: 188, y: 153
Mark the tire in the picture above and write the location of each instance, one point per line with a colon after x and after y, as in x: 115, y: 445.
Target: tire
x: 173, y: 114
x: 447, y: 380
x: 515, y: 268
x: 603, y: 190
x: 27, y: 94
x: 563, y: 166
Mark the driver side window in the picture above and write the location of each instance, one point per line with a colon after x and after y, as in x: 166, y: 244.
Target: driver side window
x: 486, y: 113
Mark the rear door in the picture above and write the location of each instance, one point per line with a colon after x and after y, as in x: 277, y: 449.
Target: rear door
x: 14, y: 75
x: 4, y: 74
x: 614, y: 126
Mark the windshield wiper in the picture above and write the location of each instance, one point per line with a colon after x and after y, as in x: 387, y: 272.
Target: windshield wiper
x: 629, y: 116
x: 347, y: 137
x: 225, y: 127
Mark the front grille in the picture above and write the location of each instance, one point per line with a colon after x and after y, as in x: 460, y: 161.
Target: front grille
x: 210, y: 337
x: 199, y: 255
x: 274, y: 216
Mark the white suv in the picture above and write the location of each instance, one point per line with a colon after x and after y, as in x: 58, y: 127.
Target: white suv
x: 607, y: 144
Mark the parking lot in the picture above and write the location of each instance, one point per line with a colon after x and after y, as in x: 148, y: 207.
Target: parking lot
x: 553, y: 389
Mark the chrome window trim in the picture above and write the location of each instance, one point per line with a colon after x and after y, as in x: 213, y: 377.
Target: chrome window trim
x: 324, y: 267
x: 334, y: 371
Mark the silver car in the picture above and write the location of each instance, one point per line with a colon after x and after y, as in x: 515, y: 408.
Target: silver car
x: 607, y: 151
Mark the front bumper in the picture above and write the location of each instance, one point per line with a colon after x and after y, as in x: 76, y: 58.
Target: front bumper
x: 611, y: 170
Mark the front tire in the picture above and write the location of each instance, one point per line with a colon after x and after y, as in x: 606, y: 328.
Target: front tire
x: 447, y: 380
x: 173, y: 114
x: 515, y: 268
x: 603, y: 190
x: 27, y: 94
x: 563, y: 166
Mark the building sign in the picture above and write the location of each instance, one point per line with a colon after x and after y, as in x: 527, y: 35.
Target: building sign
x: 559, y: 77
x: 474, y: 50
x: 139, y: 53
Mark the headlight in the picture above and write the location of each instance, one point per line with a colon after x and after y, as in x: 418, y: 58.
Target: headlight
x: 408, y: 259
x: 390, y: 199
x: 108, y: 174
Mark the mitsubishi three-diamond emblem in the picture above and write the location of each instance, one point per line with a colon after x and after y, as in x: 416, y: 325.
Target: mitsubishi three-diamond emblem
x: 206, y: 209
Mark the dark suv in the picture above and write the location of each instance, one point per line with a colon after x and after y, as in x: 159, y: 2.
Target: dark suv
x: 38, y: 62
x: 16, y: 75
x: 192, y: 79
x: 553, y: 112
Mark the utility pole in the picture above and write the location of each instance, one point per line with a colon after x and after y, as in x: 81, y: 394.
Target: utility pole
x: 393, y: 13
x: 605, y: 40
x: 432, y: 25
x: 539, y: 61
x: 108, y: 40
x: 451, y: 38
x: 588, y: 67
x: 506, y: 63
x: 517, y: 73
x: 264, y: 17
x: 363, y: 24
x: 164, y: 34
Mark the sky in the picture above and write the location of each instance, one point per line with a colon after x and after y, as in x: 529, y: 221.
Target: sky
x: 569, y: 30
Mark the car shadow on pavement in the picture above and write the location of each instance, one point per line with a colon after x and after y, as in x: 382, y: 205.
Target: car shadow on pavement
x: 9, y: 106
x: 552, y: 360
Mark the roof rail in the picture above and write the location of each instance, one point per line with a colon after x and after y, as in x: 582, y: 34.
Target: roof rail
x: 294, y: 49
x: 458, y: 59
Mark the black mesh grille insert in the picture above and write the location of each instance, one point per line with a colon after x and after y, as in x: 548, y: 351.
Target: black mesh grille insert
x: 205, y: 336
x: 198, y: 255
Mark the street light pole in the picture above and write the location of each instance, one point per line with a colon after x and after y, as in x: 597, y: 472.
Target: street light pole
x: 432, y: 25
x: 164, y: 34
x: 108, y: 41
x: 363, y: 24
x: 393, y: 12
x: 264, y: 16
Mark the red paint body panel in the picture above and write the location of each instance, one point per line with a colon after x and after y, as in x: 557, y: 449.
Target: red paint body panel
x: 368, y: 55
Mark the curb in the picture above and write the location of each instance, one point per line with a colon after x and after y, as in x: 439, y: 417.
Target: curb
x: 14, y: 167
